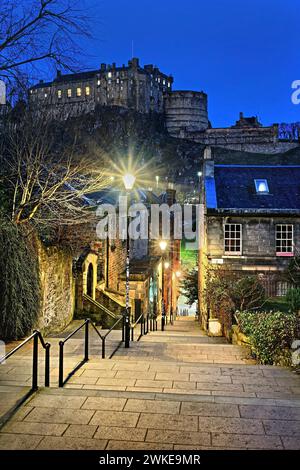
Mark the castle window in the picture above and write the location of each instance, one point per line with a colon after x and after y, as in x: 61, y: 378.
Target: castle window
x: 284, y: 240
x: 159, y: 80
x: 98, y: 82
x: 46, y: 94
x: 109, y: 81
x: 233, y: 239
x: 118, y: 80
x: 169, y: 85
x: 87, y: 91
x: 164, y: 82
x: 261, y: 186
x: 78, y: 92
x: 69, y: 93
x: 109, y: 74
x: 59, y: 94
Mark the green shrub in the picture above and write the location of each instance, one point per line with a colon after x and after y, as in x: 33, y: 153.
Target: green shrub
x: 293, y: 299
x: 19, y: 283
x: 269, y: 333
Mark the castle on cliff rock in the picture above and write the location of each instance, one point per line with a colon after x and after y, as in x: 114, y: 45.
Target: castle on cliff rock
x: 148, y: 90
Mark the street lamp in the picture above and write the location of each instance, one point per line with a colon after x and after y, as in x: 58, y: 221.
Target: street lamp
x: 163, y: 245
x: 128, y: 181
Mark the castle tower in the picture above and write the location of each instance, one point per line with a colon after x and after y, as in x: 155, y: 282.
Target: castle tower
x: 186, y: 111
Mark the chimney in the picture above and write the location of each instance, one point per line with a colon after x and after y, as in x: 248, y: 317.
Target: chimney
x: 241, y: 115
x: 135, y: 62
x: 171, y: 196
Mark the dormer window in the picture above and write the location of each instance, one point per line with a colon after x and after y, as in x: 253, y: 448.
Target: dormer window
x: 261, y: 186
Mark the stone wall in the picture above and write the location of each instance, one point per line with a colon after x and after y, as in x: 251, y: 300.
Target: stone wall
x: 258, y: 242
x: 186, y: 111
x: 254, y: 140
x: 58, y: 289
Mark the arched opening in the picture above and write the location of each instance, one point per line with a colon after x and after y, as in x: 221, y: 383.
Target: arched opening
x: 90, y: 280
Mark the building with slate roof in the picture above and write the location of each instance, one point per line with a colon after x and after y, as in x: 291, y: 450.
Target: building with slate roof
x: 250, y: 222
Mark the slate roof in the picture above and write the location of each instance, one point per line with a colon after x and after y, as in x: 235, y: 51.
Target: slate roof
x: 233, y: 188
x: 111, y: 196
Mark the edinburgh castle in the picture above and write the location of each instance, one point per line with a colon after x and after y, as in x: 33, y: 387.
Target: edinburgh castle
x: 148, y: 90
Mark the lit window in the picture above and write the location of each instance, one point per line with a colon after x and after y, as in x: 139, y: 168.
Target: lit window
x: 78, y: 91
x: 87, y: 91
x: 59, y: 94
x: 233, y: 239
x: 46, y: 94
x: 261, y: 186
x: 69, y: 93
x: 109, y: 81
x: 109, y: 74
x: 98, y: 82
x: 118, y: 80
x: 158, y: 80
x: 169, y: 85
x: 284, y: 240
x: 164, y: 82
x: 281, y: 288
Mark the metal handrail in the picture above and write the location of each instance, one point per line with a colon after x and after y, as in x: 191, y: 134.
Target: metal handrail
x: 103, y: 337
x: 61, y: 380
x: 35, y: 336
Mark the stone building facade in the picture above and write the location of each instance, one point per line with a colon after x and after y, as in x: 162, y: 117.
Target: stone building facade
x: 250, y: 223
x: 131, y: 86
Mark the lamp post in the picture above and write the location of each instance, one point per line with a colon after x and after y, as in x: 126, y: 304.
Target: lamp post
x: 128, y: 181
x: 163, y: 246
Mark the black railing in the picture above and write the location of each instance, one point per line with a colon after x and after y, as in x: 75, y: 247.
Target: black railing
x: 153, y: 323
x: 85, y: 325
x: 36, y: 337
x: 61, y: 381
x: 143, y: 324
x: 103, y: 337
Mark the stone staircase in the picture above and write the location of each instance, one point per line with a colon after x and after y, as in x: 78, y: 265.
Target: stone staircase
x: 173, y: 390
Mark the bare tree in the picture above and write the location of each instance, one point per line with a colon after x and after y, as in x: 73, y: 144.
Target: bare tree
x: 33, y: 32
x: 47, y: 182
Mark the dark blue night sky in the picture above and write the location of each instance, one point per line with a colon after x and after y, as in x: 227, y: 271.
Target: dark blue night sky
x: 244, y: 53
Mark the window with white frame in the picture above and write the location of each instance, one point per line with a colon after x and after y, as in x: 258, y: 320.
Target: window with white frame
x: 284, y: 240
x: 281, y: 288
x: 233, y: 239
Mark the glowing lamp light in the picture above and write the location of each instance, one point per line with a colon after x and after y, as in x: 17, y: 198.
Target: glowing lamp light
x: 167, y: 265
x: 128, y: 181
x: 178, y: 273
x: 163, y: 245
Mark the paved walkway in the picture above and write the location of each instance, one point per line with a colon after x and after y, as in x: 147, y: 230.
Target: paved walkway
x: 173, y: 390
